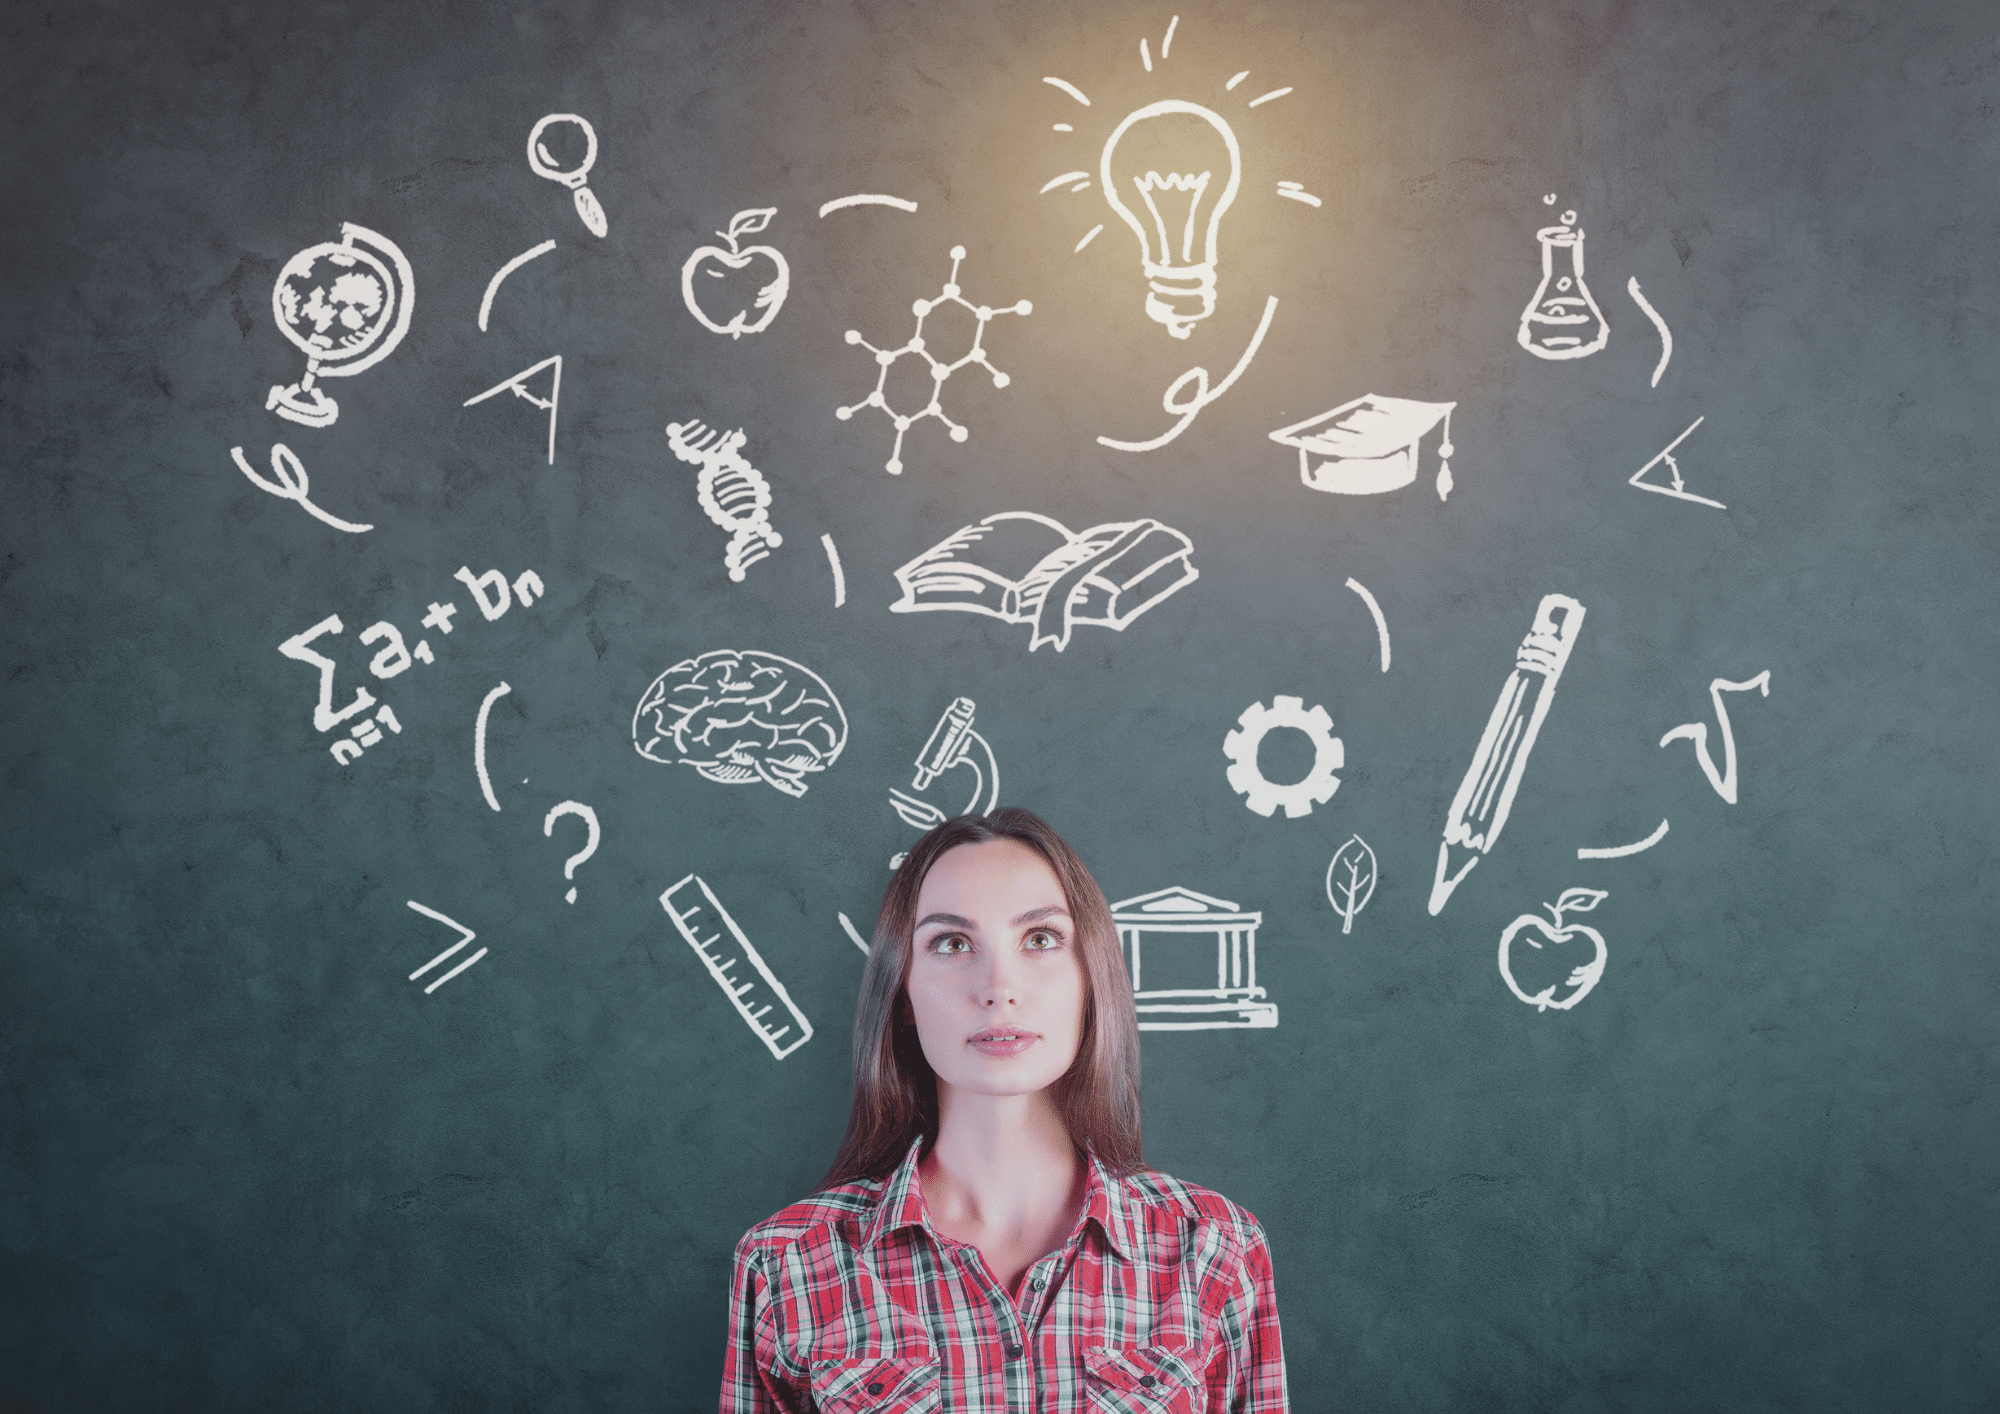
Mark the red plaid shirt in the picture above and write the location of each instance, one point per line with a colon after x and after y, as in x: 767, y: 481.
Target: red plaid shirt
x: 1160, y: 1302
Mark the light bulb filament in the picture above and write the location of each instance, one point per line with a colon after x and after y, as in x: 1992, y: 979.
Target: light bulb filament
x: 1195, y: 185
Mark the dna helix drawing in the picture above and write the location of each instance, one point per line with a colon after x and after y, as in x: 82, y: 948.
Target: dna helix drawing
x: 733, y: 493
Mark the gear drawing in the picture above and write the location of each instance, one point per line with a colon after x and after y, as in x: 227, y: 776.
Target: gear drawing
x: 1298, y: 798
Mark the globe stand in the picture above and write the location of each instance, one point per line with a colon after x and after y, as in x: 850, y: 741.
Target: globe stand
x: 303, y: 403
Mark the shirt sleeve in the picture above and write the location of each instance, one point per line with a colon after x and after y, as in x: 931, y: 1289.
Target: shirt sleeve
x: 1256, y: 1367
x: 750, y: 1381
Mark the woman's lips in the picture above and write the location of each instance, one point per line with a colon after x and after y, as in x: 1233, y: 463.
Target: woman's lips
x: 1002, y: 1041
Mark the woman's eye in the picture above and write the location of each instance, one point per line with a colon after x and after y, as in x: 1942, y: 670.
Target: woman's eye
x: 1042, y: 940
x: 948, y: 944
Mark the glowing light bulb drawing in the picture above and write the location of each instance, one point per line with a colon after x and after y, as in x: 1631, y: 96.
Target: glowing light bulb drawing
x: 1180, y: 275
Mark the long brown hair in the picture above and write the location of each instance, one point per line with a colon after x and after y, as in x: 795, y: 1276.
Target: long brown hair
x: 895, y: 1089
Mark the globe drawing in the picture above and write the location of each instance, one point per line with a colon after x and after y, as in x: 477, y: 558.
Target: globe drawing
x: 333, y: 301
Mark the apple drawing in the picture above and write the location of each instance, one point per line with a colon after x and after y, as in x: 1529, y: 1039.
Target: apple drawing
x: 769, y: 299
x: 1582, y: 978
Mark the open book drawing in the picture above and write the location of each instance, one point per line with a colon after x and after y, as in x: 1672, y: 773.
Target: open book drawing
x: 1027, y: 569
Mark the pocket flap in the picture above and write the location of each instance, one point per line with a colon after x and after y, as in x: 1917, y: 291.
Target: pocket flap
x: 1147, y: 1379
x: 896, y: 1385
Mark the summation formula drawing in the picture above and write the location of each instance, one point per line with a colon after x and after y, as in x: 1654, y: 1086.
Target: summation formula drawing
x: 733, y: 493
x: 346, y: 305
x: 940, y: 369
x: 739, y: 716
x: 1537, y: 931
x: 713, y: 263
x: 1247, y: 778
x: 1171, y: 936
x: 756, y: 994
x: 1024, y: 568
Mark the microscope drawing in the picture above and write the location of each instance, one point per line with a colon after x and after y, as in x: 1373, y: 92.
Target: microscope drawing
x: 953, y: 743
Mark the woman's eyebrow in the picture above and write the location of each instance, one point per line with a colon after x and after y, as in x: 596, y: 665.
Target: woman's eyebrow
x: 950, y: 920
x: 1036, y: 915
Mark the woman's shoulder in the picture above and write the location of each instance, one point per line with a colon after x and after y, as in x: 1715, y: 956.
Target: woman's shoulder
x: 841, y: 1210
x: 1165, y: 1195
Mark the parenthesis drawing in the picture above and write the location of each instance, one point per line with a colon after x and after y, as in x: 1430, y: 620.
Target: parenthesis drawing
x: 1724, y: 781
x: 479, y: 743
x: 1381, y: 624
x: 839, y: 579
x: 493, y: 285
x: 1666, y: 334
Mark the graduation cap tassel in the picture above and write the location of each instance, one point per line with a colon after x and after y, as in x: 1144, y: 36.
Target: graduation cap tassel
x: 1444, y: 460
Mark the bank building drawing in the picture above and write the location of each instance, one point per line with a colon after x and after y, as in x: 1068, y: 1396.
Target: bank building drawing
x: 1169, y: 938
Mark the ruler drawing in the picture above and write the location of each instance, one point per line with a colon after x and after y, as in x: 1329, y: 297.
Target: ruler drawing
x: 704, y: 914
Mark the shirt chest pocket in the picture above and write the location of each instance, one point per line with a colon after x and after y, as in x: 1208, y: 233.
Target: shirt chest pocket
x: 891, y: 1386
x: 1146, y: 1380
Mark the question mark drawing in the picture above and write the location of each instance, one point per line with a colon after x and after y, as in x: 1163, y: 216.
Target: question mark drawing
x: 572, y: 807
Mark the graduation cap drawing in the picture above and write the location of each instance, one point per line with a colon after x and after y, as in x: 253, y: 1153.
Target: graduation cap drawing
x: 1370, y: 445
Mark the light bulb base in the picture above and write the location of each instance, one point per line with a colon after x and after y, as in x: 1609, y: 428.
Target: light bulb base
x: 1180, y: 296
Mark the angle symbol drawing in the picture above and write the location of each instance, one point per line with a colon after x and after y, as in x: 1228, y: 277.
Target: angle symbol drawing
x: 518, y: 386
x: 1679, y: 488
x: 1724, y: 780
x: 701, y: 912
x: 733, y: 493
x: 940, y: 370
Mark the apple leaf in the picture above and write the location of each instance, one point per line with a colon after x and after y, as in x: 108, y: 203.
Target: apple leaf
x: 748, y: 223
x: 1577, y: 901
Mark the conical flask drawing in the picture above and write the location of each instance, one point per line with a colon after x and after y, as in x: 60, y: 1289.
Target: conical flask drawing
x: 1562, y: 320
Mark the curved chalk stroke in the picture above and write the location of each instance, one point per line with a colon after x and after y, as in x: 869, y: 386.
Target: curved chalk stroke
x: 839, y: 579
x: 479, y: 742
x: 841, y: 203
x: 1381, y: 624
x: 1666, y: 334
x: 1623, y: 850
x: 493, y: 285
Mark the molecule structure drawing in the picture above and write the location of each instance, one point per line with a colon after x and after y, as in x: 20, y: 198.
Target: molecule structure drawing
x: 1260, y: 793
x: 940, y: 371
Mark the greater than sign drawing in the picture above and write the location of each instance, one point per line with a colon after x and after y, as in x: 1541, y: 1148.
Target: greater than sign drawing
x: 733, y: 493
x: 952, y: 743
x: 1166, y: 935
x: 292, y: 484
x: 1479, y: 810
x: 1584, y: 976
x: 346, y: 306
x: 545, y: 166
x: 1370, y: 445
x: 1024, y: 568
x: 1247, y: 779
x: 1350, y: 880
x: 702, y: 267
x: 466, y: 935
x: 941, y: 369
x: 739, y: 716
x: 721, y: 946
x: 1678, y: 490
x: 1562, y: 321
x: 1724, y: 780
x: 518, y: 386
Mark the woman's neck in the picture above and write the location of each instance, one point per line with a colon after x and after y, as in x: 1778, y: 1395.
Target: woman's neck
x: 1004, y: 1176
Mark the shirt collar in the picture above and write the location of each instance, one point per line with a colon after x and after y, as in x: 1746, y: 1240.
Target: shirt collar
x: 902, y: 1204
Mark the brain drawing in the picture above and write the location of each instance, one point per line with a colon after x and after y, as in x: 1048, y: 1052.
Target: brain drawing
x: 738, y: 716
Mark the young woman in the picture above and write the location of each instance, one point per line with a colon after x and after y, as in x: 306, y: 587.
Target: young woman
x: 989, y: 1240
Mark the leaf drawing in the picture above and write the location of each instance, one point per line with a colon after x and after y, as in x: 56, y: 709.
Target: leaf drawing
x: 748, y: 223
x: 1350, y: 880
x: 1576, y: 901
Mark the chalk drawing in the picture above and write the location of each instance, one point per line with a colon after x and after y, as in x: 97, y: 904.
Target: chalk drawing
x: 493, y: 285
x: 1163, y: 933
x: 518, y: 385
x: 770, y: 297
x: 1666, y: 334
x: 292, y: 484
x: 589, y: 817
x: 839, y: 579
x: 1381, y: 624
x: 479, y: 743
x: 1624, y: 851
x: 1582, y: 978
x: 1479, y: 809
x: 733, y: 493
x: 842, y: 203
x: 1023, y: 568
x: 1679, y: 488
x: 1071, y: 89
x: 1562, y: 321
x: 365, y: 733
x: 1294, y: 191
x: 543, y: 165
x: 1260, y: 794
x: 739, y: 716
x: 952, y: 743
x: 852, y: 935
x: 1350, y: 880
x: 1203, y: 395
x: 346, y: 306
x: 1370, y: 445
x: 704, y: 911
x: 325, y: 718
x: 940, y: 370
x: 1177, y: 257
x: 466, y: 935
x: 1724, y: 780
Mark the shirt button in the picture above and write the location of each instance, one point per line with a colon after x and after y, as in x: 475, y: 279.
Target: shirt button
x: 1038, y: 1283
x: 1013, y: 1351
x: 875, y: 1388
x: 1147, y: 1380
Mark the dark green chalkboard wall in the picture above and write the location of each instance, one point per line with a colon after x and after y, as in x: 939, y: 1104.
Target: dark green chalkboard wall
x: 246, y: 1163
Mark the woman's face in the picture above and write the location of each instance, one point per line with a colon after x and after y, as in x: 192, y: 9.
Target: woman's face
x: 995, y: 980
